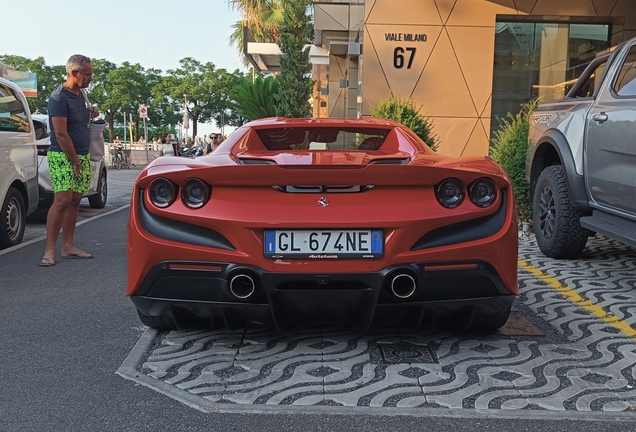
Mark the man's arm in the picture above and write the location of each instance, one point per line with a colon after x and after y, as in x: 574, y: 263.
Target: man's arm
x: 63, y: 138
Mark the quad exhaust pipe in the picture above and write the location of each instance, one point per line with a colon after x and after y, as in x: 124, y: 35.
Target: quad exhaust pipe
x: 403, y: 285
x: 242, y: 286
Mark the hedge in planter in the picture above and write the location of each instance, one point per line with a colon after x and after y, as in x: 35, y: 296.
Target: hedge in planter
x: 404, y: 111
x: 510, y: 144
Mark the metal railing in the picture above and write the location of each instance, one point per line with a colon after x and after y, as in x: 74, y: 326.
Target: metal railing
x: 136, y: 154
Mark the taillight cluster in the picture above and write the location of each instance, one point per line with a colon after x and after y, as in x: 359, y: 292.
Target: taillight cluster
x: 194, y: 193
x: 451, y: 192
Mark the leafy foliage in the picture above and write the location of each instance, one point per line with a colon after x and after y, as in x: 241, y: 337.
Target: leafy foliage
x: 254, y: 100
x: 510, y: 144
x: 261, y: 17
x: 49, y: 77
x: 119, y: 90
x: 296, y: 83
x: 404, y: 111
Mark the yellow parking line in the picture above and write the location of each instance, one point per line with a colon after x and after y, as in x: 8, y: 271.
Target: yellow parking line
x: 581, y: 301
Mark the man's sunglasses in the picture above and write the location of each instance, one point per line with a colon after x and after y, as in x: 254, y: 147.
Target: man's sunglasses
x: 87, y: 75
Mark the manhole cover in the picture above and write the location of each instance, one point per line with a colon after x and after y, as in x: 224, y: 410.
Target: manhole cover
x: 406, y: 352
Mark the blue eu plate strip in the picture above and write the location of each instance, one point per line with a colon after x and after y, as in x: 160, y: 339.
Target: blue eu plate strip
x: 270, y: 242
x: 377, y: 242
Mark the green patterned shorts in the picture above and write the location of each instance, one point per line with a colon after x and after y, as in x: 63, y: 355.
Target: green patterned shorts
x: 62, y: 175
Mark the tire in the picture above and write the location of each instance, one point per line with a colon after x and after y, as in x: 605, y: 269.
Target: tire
x: 117, y: 162
x: 481, y: 323
x: 157, y: 322
x: 98, y: 201
x: 12, y: 219
x: 556, y: 222
x: 468, y: 320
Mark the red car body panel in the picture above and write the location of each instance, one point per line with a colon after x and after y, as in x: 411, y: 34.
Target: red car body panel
x: 243, y: 176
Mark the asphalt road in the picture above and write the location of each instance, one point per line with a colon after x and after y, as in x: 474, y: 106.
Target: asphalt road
x: 65, y: 330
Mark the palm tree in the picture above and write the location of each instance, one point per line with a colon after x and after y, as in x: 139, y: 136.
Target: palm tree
x: 261, y: 17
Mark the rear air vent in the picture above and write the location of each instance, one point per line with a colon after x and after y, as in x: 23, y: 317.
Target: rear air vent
x: 401, y: 161
x: 323, y: 189
x: 244, y: 161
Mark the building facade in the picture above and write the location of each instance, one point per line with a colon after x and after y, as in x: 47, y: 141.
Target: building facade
x: 467, y: 63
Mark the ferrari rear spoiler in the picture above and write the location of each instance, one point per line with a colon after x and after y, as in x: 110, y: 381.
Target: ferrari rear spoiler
x: 415, y: 174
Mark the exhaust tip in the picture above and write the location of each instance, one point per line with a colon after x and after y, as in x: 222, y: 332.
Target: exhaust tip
x: 403, y: 286
x: 242, y: 286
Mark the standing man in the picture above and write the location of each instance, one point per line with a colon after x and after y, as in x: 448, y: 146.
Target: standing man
x: 68, y: 158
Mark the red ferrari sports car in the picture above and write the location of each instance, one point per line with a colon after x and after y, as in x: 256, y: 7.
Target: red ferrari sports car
x: 322, y: 220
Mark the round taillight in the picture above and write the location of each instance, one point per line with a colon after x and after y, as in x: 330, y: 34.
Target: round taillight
x: 195, y: 193
x: 450, y: 192
x: 483, y: 192
x: 162, y: 192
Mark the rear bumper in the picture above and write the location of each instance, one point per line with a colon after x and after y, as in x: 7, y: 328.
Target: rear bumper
x: 201, y: 290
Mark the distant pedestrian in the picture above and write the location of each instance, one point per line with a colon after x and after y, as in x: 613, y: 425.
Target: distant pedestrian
x: 166, y: 149
x: 212, y: 145
x: 117, y: 141
x: 68, y: 157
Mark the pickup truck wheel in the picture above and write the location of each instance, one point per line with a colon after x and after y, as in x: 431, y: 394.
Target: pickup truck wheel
x: 556, y: 222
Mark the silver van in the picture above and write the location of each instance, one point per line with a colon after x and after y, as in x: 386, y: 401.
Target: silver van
x: 18, y: 164
x: 97, y: 192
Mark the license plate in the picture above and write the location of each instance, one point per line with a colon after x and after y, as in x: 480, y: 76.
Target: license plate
x: 324, y: 244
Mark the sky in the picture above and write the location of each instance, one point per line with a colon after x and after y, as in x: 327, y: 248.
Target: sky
x: 153, y: 33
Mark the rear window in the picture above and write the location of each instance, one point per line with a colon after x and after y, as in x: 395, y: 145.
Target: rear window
x: 626, y: 81
x: 322, y: 138
x: 588, y: 89
x: 13, y: 116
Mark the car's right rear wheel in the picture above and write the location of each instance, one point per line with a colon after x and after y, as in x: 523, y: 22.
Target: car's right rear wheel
x: 556, y: 222
x: 12, y: 219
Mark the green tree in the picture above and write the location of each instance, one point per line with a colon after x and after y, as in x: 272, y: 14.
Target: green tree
x: 509, y: 147
x: 404, y: 111
x: 262, y: 18
x: 122, y: 91
x: 296, y: 83
x: 49, y: 77
x: 187, y: 80
x: 254, y: 100
x: 220, y: 108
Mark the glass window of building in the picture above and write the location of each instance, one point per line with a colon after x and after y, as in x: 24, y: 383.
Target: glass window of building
x: 540, y: 60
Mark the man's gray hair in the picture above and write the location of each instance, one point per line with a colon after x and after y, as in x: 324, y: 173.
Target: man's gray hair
x: 75, y: 62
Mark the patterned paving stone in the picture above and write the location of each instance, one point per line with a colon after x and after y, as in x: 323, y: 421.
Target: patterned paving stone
x: 554, y: 355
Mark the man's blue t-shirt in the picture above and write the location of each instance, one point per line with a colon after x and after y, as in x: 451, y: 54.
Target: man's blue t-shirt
x: 64, y: 103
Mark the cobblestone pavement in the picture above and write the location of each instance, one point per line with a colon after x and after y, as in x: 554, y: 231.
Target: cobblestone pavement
x: 569, y: 347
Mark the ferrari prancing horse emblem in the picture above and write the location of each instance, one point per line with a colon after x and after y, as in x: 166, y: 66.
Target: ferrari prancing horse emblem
x: 323, y: 202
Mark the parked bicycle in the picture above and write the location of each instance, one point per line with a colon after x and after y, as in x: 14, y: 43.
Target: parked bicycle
x: 121, y: 156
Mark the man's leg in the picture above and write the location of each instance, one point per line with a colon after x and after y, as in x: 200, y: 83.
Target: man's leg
x: 55, y: 219
x: 68, y: 225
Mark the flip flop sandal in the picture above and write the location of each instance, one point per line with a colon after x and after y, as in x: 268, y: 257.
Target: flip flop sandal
x: 47, y: 262
x: 79, y: 255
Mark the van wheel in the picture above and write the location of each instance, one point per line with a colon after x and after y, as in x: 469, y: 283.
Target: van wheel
x: 12, y: 219
x: 98, y: 200
x: 556, y: 222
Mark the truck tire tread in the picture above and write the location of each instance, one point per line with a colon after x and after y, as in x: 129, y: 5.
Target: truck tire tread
x: 569, y: 237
